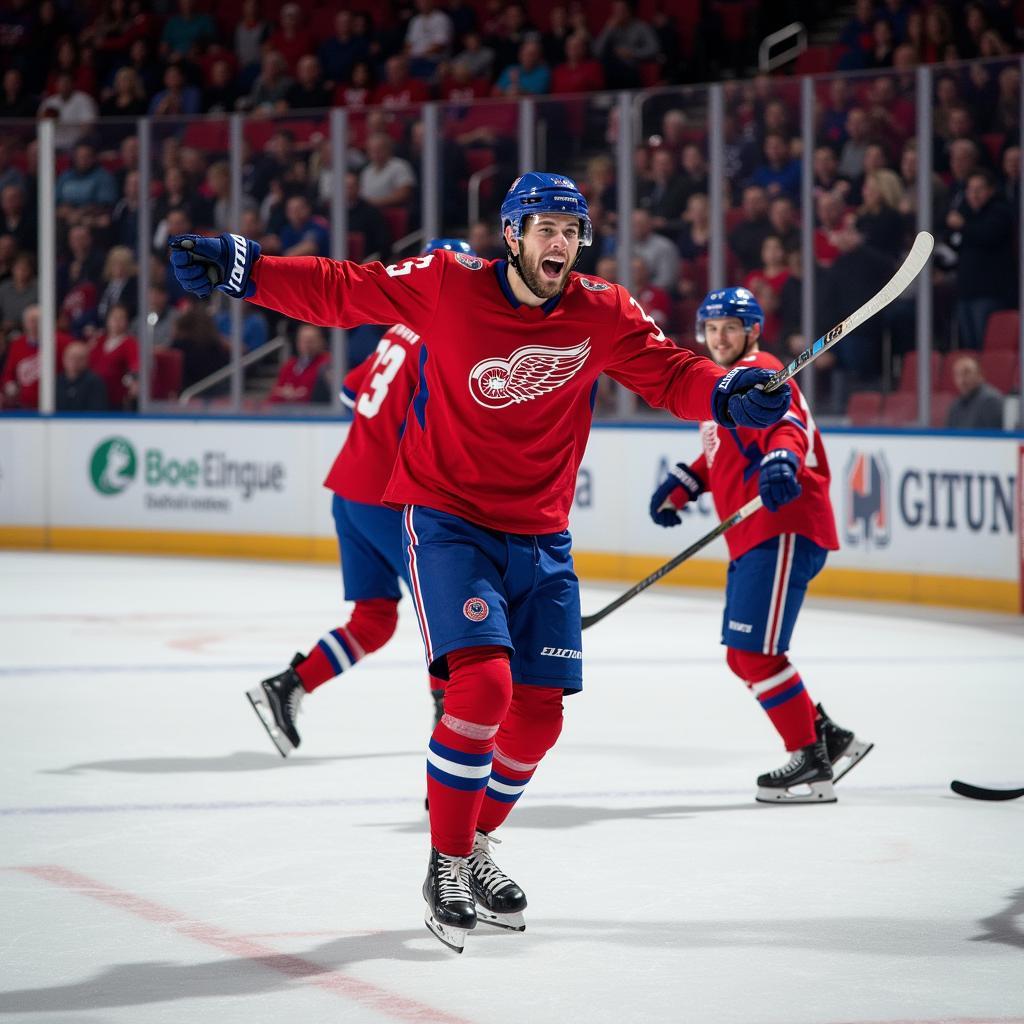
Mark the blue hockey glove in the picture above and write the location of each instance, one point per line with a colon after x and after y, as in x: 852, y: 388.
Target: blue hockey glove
x: 202, y: 263
x: 777, y: 480
x: 738, y: 401
x: 679, y: 487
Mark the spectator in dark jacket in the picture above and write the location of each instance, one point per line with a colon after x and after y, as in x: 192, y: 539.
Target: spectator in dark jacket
x: 79, y: 389
x: 746, y: 238
x: 980, y: 406
x: 986, y: 274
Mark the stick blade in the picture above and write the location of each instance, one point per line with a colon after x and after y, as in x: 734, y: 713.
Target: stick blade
x: 981, y: 793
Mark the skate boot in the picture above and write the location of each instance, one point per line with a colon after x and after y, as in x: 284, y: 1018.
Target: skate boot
x: 499, y: 900
x: 450, y: 913
x: 844, y: 749
x: 808, y: 767
x: 276, y: 701
x: 438, y: 696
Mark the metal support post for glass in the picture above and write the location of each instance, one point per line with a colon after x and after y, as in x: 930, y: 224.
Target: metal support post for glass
x: 716, y: 186
x: 339, y: 240
x: 807, y: 262
x: 1020, y: 269
x: 47, y: 214
x: 430, y: 201
x: 236, y: 145
x: 625, y: 185
x: 924, y: 223
x: 144, y: 247
x: 527, y: 136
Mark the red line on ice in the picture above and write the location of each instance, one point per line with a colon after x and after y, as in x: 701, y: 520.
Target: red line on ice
x: 310, y: 972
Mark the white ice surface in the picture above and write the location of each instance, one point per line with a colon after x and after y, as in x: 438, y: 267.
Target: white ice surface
x: 179, y: 870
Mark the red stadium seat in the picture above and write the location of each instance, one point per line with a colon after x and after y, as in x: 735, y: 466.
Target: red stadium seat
x: 1000, y: 370
x: 356, y: 245
x: 479, y: 157
x: 398, y: 221
x: 899, y: 409
x: 908, y: 378
x: 864, y: 408
x: 941, y: 401
x: 257, y: 133
x: 207, y: 136
x: 733, y: 218
x: 1002, y: 331
x: 166, y: 380
x: 815, y: 59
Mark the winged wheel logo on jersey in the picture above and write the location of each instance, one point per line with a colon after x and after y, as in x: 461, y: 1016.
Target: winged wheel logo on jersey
x: 594, y: 286
x: 528, y: 373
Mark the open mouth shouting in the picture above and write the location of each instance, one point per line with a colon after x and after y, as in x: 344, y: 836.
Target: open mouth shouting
x: 552, y: 267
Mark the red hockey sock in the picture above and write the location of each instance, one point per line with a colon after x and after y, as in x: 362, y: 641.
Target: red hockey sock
x: 476, y: 701
x: 372, y: 624
x: 529, y: 731
x: 780, y: 691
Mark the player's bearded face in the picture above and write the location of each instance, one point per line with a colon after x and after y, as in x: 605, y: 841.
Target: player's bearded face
x: 547, y: 251
x: 727, y: 339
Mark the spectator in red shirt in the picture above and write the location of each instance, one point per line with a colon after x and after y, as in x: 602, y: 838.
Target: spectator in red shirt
x: 19, y: 384
x: 298, y: 375
x: 831, y: 210
x: 767, y: 284
x: 114, y: 357
x: 460, y: 87
x: 580, y: 72
x: 292, y: 40
x: 398, y: 89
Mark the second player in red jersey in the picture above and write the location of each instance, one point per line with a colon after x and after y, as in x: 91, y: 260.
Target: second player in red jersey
x: 774, y: 554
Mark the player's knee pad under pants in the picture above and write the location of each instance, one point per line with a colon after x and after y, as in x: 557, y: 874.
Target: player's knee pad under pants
x: 373, y: 622
x: 754, y: 667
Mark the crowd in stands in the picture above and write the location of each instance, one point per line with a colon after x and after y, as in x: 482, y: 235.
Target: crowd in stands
x: 283, y: 64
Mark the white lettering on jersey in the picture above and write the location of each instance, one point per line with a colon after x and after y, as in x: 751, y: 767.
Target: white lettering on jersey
x: 387, y: 362
x: 561, y: 652
x: 710, y: 439
x: 408, y: 266
x: 656, y: 332
x: 528, y: 373
x: 740, y: 627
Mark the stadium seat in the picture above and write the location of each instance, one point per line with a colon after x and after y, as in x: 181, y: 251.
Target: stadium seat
x: 1002, y: 331
x: 479, y: 157
x: 814, y: 60
x: 398, y: 221
x: 1000, y: 370
x: 206, y: 136
x: 167, y: 368
x: 941, y: 401
x: 864, y: 408
x: 908, y: 378
x: 899, y: 409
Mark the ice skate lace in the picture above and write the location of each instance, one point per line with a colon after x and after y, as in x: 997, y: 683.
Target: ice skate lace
x: 295, y: 701
x: 453, y: 879
x: 796, y: 761
x: 486, y: 872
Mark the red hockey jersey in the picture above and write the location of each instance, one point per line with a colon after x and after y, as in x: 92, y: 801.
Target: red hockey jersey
x: 729, y: 465
x: 382, y: 388
x: 501, y: 415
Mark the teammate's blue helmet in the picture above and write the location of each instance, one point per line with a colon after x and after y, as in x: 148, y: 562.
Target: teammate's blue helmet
x: 737, y: 302
x: 538, y: 192
x: 451, y: 244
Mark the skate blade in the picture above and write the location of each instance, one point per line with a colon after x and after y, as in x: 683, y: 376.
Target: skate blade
x: 805, y: 793
x: 453, y: 938
x: 266, y: 717
x: 850, y: 758
x: 510, y: 922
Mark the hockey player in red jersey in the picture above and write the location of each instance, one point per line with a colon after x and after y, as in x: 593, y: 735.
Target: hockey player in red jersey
x: 775, y: 553
x: 485, y: 477
x: 379, y: 391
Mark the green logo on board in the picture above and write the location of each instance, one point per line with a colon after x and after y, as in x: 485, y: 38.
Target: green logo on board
x: 113, y: 465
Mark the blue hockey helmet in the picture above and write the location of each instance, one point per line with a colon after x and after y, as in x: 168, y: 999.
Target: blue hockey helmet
x: 737, y: 302
x: 451, y: 244
x: 538, y: 192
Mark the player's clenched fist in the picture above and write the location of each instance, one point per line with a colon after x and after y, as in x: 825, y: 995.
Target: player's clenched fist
x: 739, y: 399
x: 202, y: 263
x: 680, y: 486
x: 776, y: 481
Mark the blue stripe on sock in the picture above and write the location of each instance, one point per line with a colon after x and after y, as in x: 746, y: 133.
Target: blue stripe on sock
x: 781, y: 698
x: 498, y: 777
x: 329, y: 655
x: 345, y: 645
x: 461, y: 757
x: 503, y: 798
x: 454, y: 781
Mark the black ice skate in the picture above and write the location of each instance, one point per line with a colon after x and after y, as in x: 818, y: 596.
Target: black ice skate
x: 276, y: 701
x: 806, y: 779
x: 499, y: 900
x: 844, y: 749
x: 450, y: 913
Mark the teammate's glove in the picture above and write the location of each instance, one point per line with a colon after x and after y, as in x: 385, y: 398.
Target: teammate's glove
x: 202, y: 263
x: 777, y: 480
x: 679, y: 487
x: 739, y: 399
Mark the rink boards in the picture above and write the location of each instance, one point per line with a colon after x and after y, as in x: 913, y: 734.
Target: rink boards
x: 922, y: 516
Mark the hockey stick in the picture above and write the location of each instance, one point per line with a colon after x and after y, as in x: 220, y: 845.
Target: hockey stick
x: 981, y: 793
x: 726, y: 524
x: 892, y: 290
